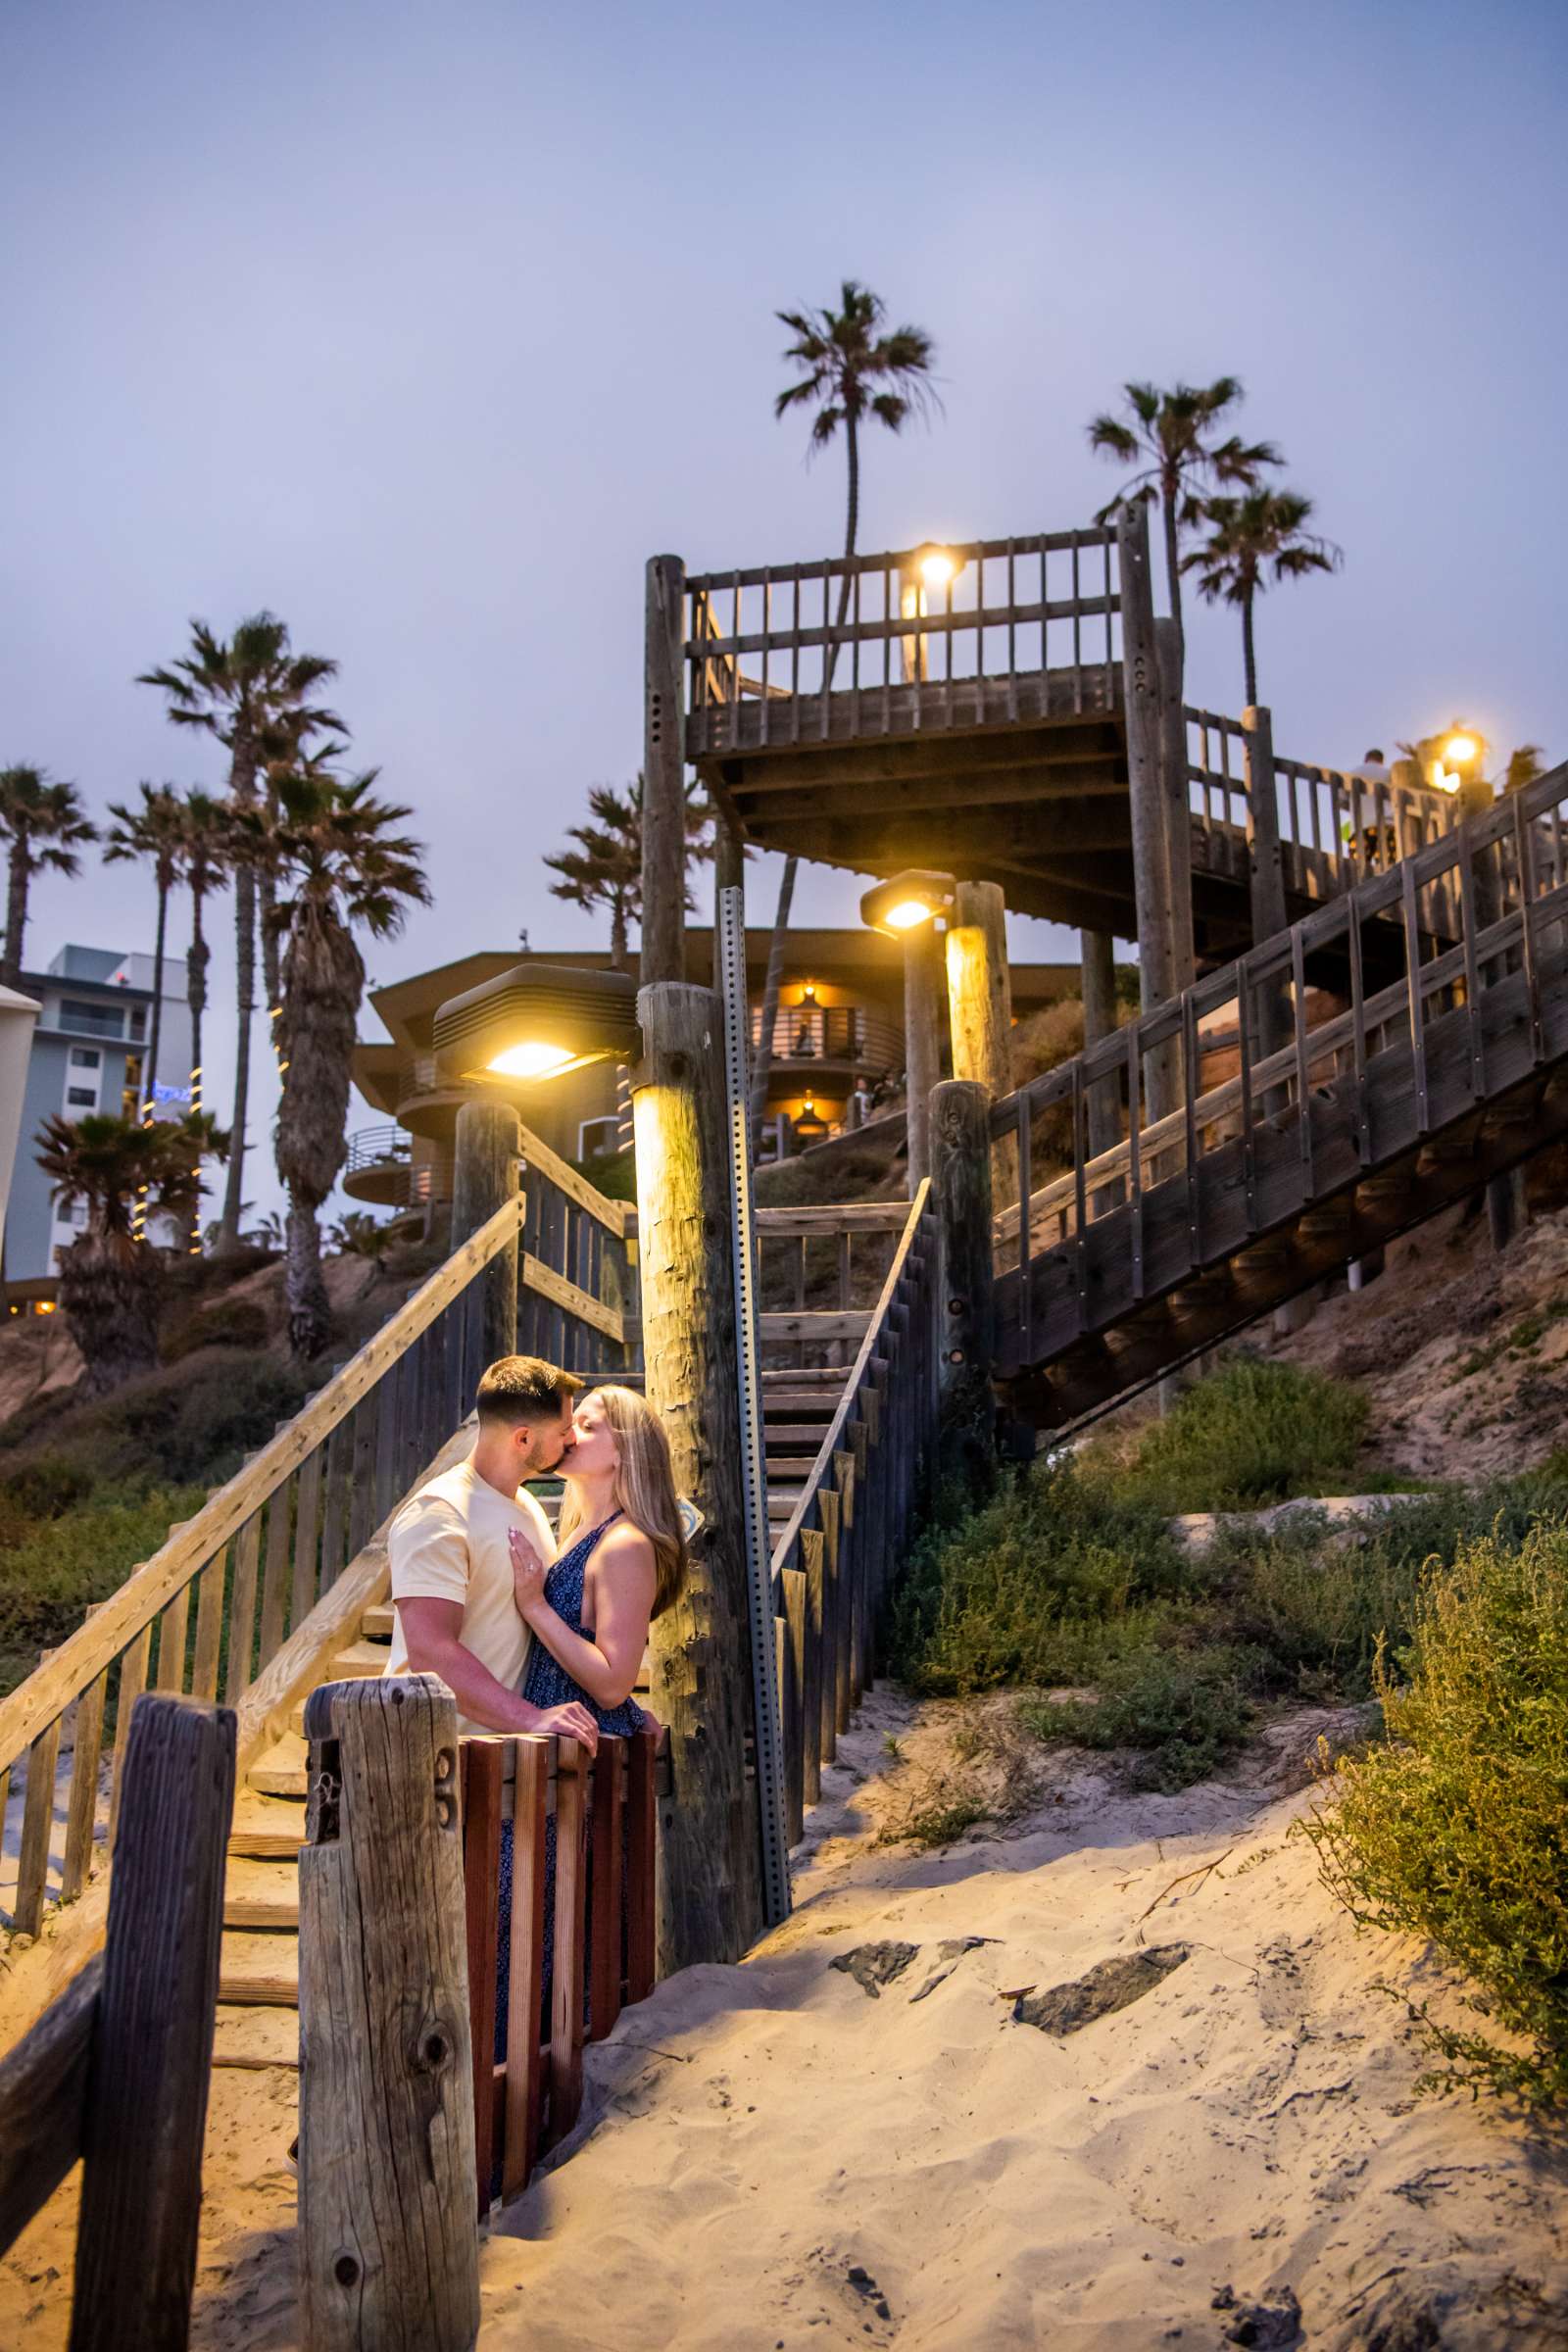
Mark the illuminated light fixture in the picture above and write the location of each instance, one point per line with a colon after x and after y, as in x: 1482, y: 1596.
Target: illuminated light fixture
x: 535, y: 1023
x: 906, y: 900
x: 807, y: 992
x: 1460, y: 750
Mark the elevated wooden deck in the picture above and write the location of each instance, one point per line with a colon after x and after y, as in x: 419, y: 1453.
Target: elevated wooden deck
x: 844, y: 713
x: 1331, y: 1137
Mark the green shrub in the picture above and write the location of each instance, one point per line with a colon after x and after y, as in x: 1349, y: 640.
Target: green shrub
x: 1021, y: 1590
x: 1251, y: 1433
x: 196, y: 1420
x: 45, y: 1486
x: 221, y: 1323
x: 1458, y: 1829
x: 54, y: 1572
x: 1185, y: 1709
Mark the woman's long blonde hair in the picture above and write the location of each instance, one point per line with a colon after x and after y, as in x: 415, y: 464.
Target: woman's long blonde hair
x: 644, y: 1490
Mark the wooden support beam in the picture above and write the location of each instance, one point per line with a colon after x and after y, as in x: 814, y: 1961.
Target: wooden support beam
x: 1173, y: 787
x: 923, y: 1046
x: 151, y: 2055
x: 961, y: 1184
x: 488, y: 1151
x: 710, y: 1881
x: 389, y: 2243
x: 1152, y: 870
x: 663, y: 899
x: 980, y: 1013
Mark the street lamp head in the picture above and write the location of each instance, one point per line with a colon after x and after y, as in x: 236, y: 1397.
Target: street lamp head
x: 935, y: 567
x: 907, y: 899
x: 1461, y: 749
x: 535, y: 1022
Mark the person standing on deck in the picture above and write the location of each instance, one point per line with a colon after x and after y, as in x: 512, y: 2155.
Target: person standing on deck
x: 452, y: 1570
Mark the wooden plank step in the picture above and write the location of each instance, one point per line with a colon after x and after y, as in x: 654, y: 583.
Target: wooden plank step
x: 251, y: 2037
x: 280, y: 1770
x: 268, y: 1828
x: 258, y: 1970
x: 358, y: 1663
x: 262, y: 1895
x: 379, y: 1622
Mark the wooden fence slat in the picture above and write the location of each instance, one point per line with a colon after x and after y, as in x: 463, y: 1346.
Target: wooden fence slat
x: 829, y: 1510
x: 242, y: 1610
x: 482, y: 1762
x: 81, y: 1817
x: 641, y: 1836
x: 132, y: 1682
x: 609, y: 1853
x: 813, y: 1550
x: 792, y: 1594
x: 361, y: 1470
x: 153, y: 2046
x: 572, y: 1889
x: 335, y: 1497
x: 307, y: 1532
x: 172, y: 1625
x: 525, y: 2074
x: 274, y: 1575
x: 38, y: 1828
x: 210, y: 1593
x: 43, y: 2098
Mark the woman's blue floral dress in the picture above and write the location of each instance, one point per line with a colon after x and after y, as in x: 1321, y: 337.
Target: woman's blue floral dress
x: 547, y: 1683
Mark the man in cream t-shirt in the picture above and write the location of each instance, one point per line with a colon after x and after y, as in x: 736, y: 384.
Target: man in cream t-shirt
x: 452, y: 1576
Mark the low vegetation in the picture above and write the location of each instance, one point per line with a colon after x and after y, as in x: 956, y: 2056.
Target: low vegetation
x: 1448, y: 1613
x: 88, y: 1491
x: 1456, y: 1829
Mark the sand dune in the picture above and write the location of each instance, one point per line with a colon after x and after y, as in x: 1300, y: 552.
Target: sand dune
x: 774, y: 2155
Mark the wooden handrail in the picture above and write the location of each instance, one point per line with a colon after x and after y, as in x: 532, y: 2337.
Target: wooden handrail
x: 833, y: 567
x: 615, y: 1216
x: 834, y: 1438
x: 85, y: 1653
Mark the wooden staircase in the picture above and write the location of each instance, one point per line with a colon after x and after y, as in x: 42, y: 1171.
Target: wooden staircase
x: 1332, y: 1137
x: 257, y: 2014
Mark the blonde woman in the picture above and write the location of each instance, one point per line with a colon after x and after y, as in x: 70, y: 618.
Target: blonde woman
x: 620, y: 1559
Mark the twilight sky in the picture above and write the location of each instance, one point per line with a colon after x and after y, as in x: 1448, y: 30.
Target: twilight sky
x: 425, y: 326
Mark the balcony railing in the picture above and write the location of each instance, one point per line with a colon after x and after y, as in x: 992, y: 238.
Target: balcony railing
x: 842, y: 1033
x: 376, y: 1147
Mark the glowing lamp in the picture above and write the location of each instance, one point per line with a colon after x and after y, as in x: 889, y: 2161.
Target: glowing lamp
x: 535, y: 1023
x: 906, y: 902
x: 1460, y: 750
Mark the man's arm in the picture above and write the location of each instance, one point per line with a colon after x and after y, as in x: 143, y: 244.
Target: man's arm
x: 430, y: 1630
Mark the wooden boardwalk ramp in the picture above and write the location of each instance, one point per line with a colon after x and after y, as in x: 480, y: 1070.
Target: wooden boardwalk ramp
x: 1244, y: 1174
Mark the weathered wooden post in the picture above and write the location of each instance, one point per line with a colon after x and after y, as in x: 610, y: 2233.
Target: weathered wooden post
x: 923, y: 1046
x: 664, y: 922
x: 146, y: 2105
x: 484, y: 1178
x: 1508, y: 1210
x: 1152, y: 896
x: 1173, y: 784
x: 388, y: 2238
x: 980, y: 1013
x: 960, y: 1183
x: 710, y: 1890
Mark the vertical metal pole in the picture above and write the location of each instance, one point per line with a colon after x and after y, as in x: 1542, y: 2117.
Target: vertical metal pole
x: 754, y: 1481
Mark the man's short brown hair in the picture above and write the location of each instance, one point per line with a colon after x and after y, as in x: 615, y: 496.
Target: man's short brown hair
x: 518, y: 1389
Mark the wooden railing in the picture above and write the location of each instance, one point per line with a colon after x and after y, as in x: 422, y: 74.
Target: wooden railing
x: 796, y: 653
x: 115, y: 2074
x: 577, y: 1304
x: 527, y: 2094
x: 821, y: 1273
x: 1336, y: 828
x: 1463, y: 1024
x: 213, y: 1608
x: 845, y: 1537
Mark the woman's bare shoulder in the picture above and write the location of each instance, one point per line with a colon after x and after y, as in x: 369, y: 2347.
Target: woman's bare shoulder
x: 623, y: 1546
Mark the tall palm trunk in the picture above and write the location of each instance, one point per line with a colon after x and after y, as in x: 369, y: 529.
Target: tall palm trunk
x: 196, y: 956
x: 266, y: 902
x: 161, y: 933
x: 763, y: 1069
x: 109, y: 1293
x: 619, y: 955
x: 310, y: 1310
x: 1249, y: 650
x: 242, y: 793
x: 16, y: 908
x: 1173, y: 559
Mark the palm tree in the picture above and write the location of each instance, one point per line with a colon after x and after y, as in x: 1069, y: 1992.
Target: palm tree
x: 1170, y: 432
x: 245, y: 692
x: 346, y: 865
x: 112, y: 1283
x: 206, y: 855
x: 156, y: 831
x: 606, y: 868
x: 1248, y: 538
x: 44, y: 824
x: 851, y: 370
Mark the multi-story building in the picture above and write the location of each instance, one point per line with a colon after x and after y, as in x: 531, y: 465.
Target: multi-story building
x: 89, y: 1053
x: 837, y: 1055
